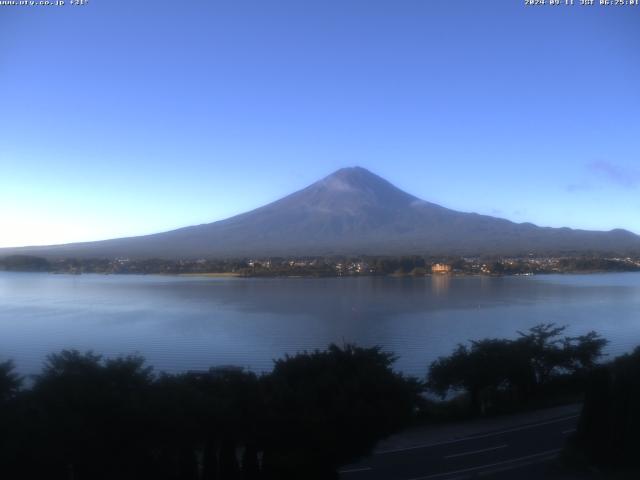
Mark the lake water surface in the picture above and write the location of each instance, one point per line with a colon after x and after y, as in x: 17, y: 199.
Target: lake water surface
x: 186, y: 323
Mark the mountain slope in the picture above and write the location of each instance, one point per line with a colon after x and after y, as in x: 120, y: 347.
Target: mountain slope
x: 351, y: 211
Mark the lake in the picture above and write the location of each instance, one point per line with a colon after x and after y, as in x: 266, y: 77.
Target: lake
x: 191, y: 323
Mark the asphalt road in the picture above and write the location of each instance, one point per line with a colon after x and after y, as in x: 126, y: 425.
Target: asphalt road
x: 510, y: 449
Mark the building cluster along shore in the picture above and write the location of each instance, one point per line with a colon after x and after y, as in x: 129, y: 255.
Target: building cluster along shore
x: 329, y: 266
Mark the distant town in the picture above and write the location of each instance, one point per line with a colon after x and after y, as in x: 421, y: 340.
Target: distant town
x: 329, y: 266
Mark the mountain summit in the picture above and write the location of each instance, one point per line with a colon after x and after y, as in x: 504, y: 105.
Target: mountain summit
x: 350, y: 212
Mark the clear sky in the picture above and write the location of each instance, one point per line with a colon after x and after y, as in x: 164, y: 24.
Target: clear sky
x: 129, y: 117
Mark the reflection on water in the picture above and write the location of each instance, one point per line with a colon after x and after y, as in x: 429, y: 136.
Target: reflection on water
x: 440, y: 284
x: 190, y: 323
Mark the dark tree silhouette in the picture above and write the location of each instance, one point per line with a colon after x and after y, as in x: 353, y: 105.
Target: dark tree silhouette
x: 328, y: 408
x: 86, y: 417
x: 10, y: 381
x: 10, y: 384
x: 480, y: 370
x: 518, y: 368
x: 543, y: 347
x: 610, y: 421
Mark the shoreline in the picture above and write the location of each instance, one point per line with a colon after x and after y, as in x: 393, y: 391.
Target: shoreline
x: 311, y: 276
x: 208, y: 274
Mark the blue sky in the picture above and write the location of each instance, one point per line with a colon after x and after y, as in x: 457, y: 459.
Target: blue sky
x: 124, y: 118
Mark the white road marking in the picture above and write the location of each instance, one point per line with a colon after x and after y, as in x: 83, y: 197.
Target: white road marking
x: 476, y: 451
x: 566, y: 432
x: 354, y: 470
x: 489, y: 465
x: 475, y: 437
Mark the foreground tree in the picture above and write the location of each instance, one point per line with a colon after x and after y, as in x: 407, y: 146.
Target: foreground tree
x: 10, y: 381
x: 517, y: 369
x: 608, y: 432
x: 91, y: 418
x: 87, y: 418
x: 327, y: 408
x: 204, y: 420
x: 10, y: 384
x: 480, y: 370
